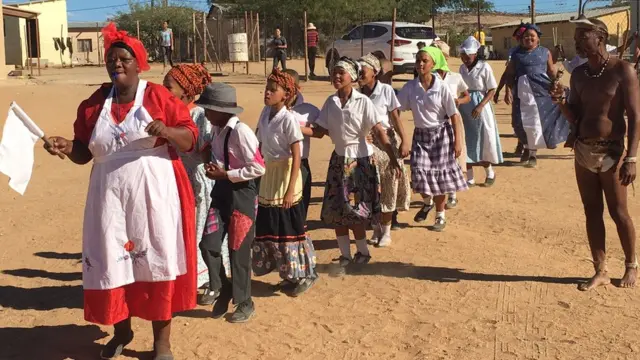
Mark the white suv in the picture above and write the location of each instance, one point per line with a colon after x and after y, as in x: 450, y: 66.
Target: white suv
x: 377, y: 39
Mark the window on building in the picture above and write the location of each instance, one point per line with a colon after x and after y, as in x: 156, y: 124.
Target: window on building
x: 85, y: 45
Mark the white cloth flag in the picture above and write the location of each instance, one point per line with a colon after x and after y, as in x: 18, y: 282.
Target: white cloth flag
x: 19, y: 137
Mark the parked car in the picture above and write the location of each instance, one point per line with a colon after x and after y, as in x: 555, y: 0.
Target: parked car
x: 377, y: 39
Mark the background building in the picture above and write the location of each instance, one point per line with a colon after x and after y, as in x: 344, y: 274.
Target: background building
x: 86, y: 38
x: 52, y: 23
x: 618, y: 20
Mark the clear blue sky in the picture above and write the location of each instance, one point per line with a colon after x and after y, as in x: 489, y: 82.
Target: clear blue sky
x: 99, y: 10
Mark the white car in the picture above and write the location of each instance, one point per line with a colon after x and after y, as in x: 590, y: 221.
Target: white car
x: 377, y: 39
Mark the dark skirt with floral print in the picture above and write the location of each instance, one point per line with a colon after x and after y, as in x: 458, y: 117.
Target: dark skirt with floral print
x: 351, y: 194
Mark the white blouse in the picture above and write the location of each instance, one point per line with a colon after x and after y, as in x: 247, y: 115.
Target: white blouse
x: 276, y: 135
x: 385, y: 101
x: 306, y: 114
x: 480, y: 78
x: 348, y: 127
x: 431, y: 108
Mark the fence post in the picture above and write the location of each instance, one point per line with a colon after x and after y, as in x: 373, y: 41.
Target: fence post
x: 257, y: 37
x: 98, y: 43
x: 362, y: 33
x: 204, y: 37
x: 138, y: 28
x: 265, y: 45
x: 246, y: 31
x: 252, y: 56
x: 306, y: 48
x: 195, y: 40
x: 393, y: 34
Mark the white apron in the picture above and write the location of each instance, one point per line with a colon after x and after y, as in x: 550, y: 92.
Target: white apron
x: 132, y: 220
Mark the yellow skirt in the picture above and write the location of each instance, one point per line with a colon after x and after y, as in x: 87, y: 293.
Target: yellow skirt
x: 275, y: 182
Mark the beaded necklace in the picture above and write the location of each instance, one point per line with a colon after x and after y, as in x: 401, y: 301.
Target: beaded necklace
x: 604, y: 66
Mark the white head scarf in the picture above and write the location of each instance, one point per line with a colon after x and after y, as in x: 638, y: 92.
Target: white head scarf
x: 470, y: 46
x: 350, y: 67
x: 371, y: 62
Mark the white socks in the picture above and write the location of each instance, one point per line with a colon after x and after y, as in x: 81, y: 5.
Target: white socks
x: 440, y: 214
x: 385, y: 238
x: 470, y: 179
x: 453, y: 196
x: 362, y: 247
x: 345, y: 246
x: 490, y: 173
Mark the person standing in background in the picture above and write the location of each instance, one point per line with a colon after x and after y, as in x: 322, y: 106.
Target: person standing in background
x: 312, y: 47
x: 481, y: 37
x: 279, y: 46
x: 167, y: 43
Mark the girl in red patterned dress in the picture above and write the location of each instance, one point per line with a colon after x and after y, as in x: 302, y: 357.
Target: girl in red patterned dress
x: 138, y: 237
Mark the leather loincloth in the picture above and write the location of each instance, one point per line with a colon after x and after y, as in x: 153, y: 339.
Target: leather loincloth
x: 598, y: 156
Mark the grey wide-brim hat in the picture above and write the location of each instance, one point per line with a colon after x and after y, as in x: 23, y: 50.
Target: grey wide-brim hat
x: 220, y: 97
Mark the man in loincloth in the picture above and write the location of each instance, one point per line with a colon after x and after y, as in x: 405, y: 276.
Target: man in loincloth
x: 601, y: 91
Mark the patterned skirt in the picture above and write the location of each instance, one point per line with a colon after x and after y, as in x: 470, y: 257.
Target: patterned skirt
x: 434, y: 169
x: 395, y: 194
x: 482, y: 136
x: 351, y: 194
x: 281, y: 241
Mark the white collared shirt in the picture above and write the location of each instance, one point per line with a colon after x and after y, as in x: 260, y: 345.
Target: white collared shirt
x: 276, y: 135
x: 385, y: 101
x: 431, y: 107
x: 480, y: 78
x: 348, y: 127
x: 245, y: 160
x: 306, y: 114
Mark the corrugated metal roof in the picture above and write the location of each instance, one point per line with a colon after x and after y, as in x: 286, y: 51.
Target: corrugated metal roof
x: 86, y: 24
x: 563, y: 17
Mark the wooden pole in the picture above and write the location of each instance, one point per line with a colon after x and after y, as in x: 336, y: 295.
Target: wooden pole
x: 246, y: 31
x: 38, y: 45
x: 258, y: 36
x: 306, y: 49
x: 233, y: 28
x: 195, y: 42
x: 98, y: 43
x: 393, y: 33
x: 250, y: 38
x: 361, y: 33
x: 533, y: 11
x: 29, y: 47
x: 204, y: 37
x: 265, y: 46
x: 138, y: 28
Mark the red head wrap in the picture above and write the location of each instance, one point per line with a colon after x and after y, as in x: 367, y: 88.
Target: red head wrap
x: 284, y: 80
x: 192, y: 78
x: 112, y: 36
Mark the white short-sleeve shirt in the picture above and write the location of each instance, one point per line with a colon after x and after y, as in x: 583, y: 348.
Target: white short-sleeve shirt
x: 276, y: 135
x: 455, y: 83
x: 385, y: 101
x: 430, y: 108
x: 348, y: 127
x: 480, y: 77
x: 305, y: 114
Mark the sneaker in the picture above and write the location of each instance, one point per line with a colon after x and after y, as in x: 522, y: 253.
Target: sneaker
x: 221, y: 307
x: 423, y: 213
x: 532, y: 163
x: 304, y: 285
x: 488, y: 182
x: 114, y: 347
x: 361, y: 259
x: 439, y: 225
x: 385, y: 241
x: 451, y: 203
x: 208, y: 297
x: 244, y: 311
x: 395, y: 225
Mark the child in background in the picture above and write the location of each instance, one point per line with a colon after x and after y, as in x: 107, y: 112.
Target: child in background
x: 281, y: 240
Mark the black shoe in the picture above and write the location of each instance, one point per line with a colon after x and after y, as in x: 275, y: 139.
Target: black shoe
x: 114, y: 347
x: 395, y: 225
x: 525, y: 156
x: 452, y: 203
x: 303, y: 286
x: 519, y: 149
x: 439, y: 225
x: 221, y: 307
x: 423, y: 213
x: 532, y: 163
x: 361, y: 259
x: 488, y: 182
x: 208, y: 297
x: 244, y: 312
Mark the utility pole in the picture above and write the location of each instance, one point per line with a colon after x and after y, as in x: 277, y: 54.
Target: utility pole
x: 533, y: 11
x: 479, y: 24
x: 152, y: 3
x: 579, y: 7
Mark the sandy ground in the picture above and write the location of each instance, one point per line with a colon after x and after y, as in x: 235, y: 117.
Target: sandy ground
x: 500, y: 283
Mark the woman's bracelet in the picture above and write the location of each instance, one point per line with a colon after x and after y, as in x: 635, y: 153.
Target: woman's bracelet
x: 630, y: 159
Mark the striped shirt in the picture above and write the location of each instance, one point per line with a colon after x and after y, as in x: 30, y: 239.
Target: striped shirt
x: 312, y: 38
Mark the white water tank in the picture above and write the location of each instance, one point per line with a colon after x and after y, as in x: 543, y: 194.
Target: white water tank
x: 238, y: 47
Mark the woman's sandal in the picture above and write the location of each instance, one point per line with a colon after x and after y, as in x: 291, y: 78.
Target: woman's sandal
x: 114, y: 347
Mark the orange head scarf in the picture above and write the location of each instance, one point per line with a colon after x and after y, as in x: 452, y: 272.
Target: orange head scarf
x: 112, y: 36
x: 192, y: 78
x: 286, y: 81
